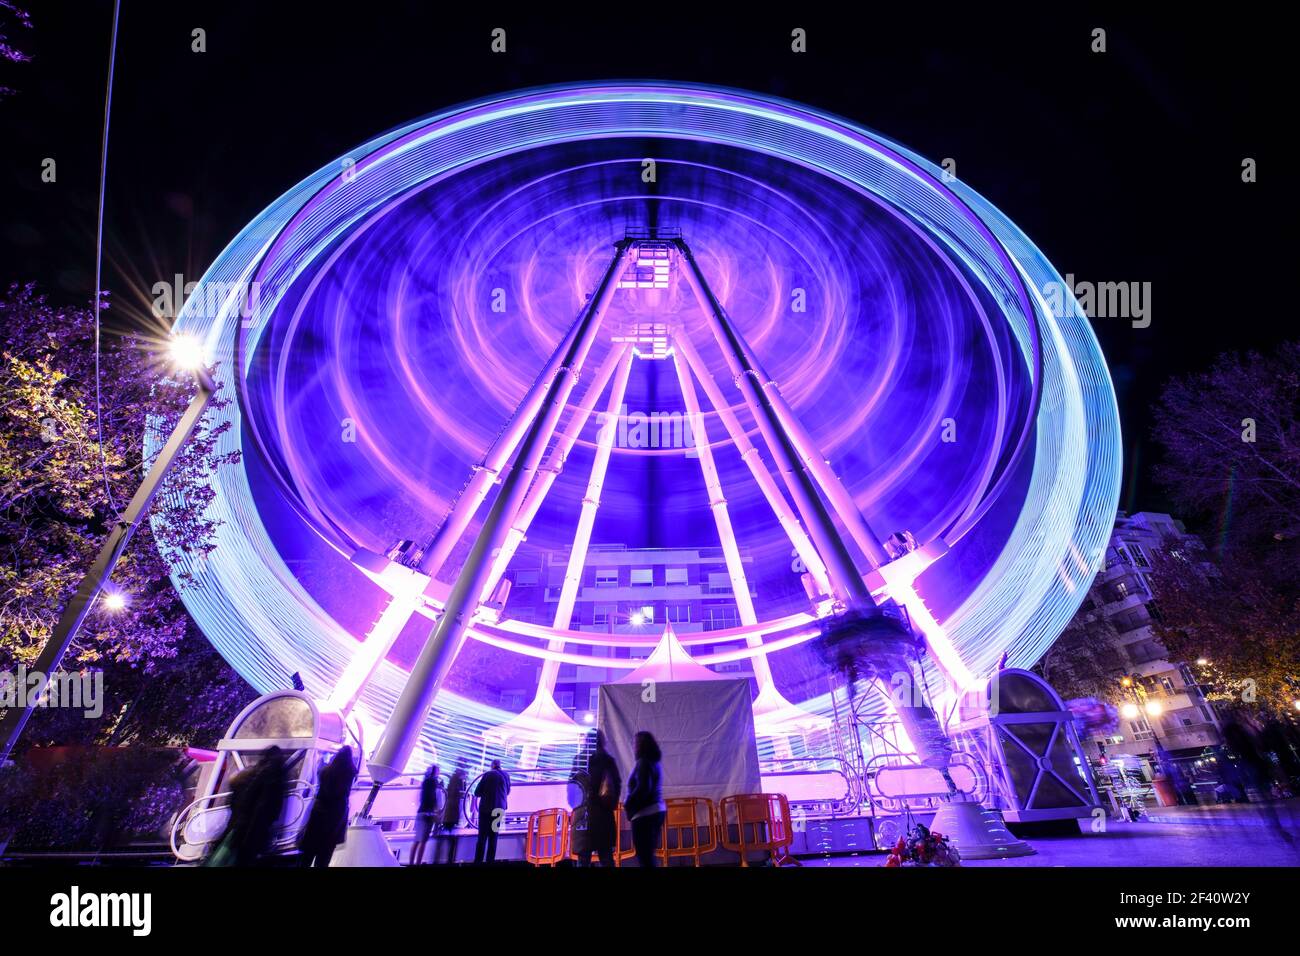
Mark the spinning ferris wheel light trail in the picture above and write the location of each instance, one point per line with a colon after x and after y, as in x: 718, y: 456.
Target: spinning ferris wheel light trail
x: 375, y: 306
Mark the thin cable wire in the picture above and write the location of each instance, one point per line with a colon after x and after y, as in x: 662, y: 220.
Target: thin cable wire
x: 99, y: 258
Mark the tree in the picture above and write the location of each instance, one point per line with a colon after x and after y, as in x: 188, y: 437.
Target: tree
x: 1246, y: 632
x: 1232, y: 462
x: 60, y: 491
x: 1231, y: 439
x: 1083, y: 661
x: 11, y: 15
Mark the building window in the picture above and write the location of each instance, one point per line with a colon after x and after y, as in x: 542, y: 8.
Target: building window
x: 527, y: 579
x: 1139, y: 556
x: 720, y: 618
x: 593, y: 699
x: 643, y: 577
x: 675, y: 576
x: 719, y: 581
x: 679, y: 613
x: 602, y: 613
x: 607, y: 577
x: 564, y: 699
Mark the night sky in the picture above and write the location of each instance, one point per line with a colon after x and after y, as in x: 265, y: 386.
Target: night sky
x: 1122, y: 166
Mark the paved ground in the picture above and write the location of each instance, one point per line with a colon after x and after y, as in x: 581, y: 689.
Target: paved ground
x: 1236, y: 835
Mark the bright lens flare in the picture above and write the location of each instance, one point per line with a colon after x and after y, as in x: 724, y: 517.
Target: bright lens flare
x: 186, y: 352
x: 1129, y: 711
x: 1155, y: 708
x: 114, y: 601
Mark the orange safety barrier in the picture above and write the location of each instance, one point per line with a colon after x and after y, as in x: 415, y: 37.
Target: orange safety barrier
x: 683, y: 823
x: 548, y: 837
x: 762, y: 822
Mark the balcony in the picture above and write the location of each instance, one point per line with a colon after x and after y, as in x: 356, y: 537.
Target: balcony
x: 1194, y: 735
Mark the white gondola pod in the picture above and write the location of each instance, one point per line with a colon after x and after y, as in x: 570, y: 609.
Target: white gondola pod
x: 308, y: 735
x: 1020, y: 730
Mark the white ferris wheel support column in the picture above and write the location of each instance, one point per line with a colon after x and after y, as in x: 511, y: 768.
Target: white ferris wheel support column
x: 554, y: 465
x: 753, y: 458
x: 487, y: 472
x: 426, y: 677
x: 848, y: 586
x: 587, y: 518
x: 370, y: 654
x: 846, y: 583
x: 722, y: 518
x: 821, y: 470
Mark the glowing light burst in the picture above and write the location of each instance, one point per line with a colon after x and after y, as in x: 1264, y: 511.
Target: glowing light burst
x: 377, y: 365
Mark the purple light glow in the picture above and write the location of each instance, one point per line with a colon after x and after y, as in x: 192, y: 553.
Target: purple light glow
x: 384, y: 363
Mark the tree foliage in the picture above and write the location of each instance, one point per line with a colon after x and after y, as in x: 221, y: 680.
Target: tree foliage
x: 1246, y: 631
x: 1084, y: 662
x: 1231, y: 440
x: 1232, y: 462
x: 61, y: 491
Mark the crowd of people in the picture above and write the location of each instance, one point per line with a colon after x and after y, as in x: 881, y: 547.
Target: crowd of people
x: 257, y: 796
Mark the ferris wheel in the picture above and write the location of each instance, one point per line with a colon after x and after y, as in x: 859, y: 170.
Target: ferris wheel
x: 445, y: 338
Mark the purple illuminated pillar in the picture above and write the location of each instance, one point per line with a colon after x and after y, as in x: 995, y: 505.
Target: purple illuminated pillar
x: 587, y: 518
x: 884, y: 658
x: 554, y: 465
x: 426, y: 677
x: 846, y: 583
x: 722, y: 518
x: 750, y: 455
x: 489, y: 470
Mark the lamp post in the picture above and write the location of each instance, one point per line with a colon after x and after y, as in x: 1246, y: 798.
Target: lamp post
x: 186, y: 355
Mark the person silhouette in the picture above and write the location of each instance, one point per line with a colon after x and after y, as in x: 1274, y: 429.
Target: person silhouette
x: 491, y: 792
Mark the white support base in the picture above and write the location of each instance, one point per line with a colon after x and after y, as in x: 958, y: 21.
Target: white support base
x: 364, y: 845
x: 977, y: 832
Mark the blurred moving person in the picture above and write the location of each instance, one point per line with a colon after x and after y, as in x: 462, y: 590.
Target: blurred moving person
x: 327, y: 824
x: 427, y: 815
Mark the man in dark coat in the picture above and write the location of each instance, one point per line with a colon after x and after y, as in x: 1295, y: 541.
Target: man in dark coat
x: 604, y: 787
x: 492, y: 789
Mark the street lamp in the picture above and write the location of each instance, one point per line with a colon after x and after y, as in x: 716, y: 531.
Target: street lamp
x: 114, y: 601
x: 186, y: 353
